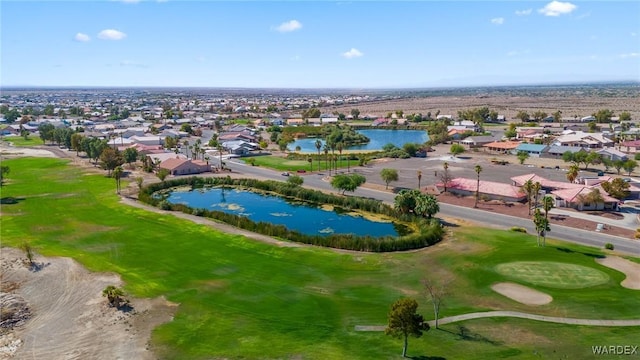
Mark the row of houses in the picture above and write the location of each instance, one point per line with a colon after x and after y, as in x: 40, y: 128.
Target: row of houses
x: 569, y: 195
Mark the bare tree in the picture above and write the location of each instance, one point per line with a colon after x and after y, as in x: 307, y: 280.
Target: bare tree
x: 445, y: 176
x: 437, y: 291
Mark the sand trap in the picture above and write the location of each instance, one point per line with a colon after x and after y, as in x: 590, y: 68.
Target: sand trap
x: 10, y: 151
x: 522, y: 294
x: 629, y: 268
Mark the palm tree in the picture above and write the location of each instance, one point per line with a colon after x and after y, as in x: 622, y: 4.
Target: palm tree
x: 445, y: 177
x: 326, y: 157
x: 527, y: 187
x: 186, y: 145
x: 114, y: 295
x: 220, y: 153
x: 339, y: 146
x: 117, y: 174
x: 319, y: 147
x: 478, y: 170
x: 536, y: 191
x: 419, y: 178
x: 310, y: 160
x: 572, y: 174
x: 332, y: 145
x: 547, y: 205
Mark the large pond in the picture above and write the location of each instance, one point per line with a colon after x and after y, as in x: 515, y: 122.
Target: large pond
x: 378, y: 137
x: 296, y: 216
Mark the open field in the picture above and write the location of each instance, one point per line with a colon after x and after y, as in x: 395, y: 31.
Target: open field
x: 242, y: 298
x: 570, y: 101
x: 283, y: 164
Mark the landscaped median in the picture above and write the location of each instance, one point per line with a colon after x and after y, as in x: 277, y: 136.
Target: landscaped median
x: 425, y: 232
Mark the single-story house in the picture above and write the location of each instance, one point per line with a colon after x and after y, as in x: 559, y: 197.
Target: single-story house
x: 577, y: 198
x: 477, y: 141
x: 295, y: 122
x: 161, y: 157
x: 503, y: 147
x: 546, y: 184
x: 532, y: 149
x: 147, y: 140
x: 631, y: 146
x: 487, y: 190
x: 558, y: 151
x: 178, y: 166
x: 612, y: 154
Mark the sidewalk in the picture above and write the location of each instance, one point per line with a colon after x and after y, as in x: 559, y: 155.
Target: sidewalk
x: 629, y: 222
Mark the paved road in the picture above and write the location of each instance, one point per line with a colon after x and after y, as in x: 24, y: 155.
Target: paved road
x: 516, y: 314
x: 484, y: 218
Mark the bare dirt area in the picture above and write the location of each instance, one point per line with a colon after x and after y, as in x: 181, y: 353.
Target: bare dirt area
x: 521, y: 294
x: 629, y: 268
x: 571, y: 103
x: 63, y: 315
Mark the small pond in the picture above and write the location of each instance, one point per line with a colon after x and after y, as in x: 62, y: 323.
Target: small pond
x: 297, y: 216
x: 378, y: 137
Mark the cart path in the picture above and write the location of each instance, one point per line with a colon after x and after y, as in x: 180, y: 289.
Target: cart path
x: 516, y: 314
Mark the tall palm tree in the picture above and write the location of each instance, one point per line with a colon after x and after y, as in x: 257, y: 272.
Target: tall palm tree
x: 527, y: 187
x: 326, y: 157
x: 117, y: 174
x: 445, y: 177
x: 319, y: 147
x: 332, y: 145
x: 547, y: 205
x: 419, y: 178
x: 339, y: 147
x: 478, y: 170
x: 536, y: 191
x: 573, y: 172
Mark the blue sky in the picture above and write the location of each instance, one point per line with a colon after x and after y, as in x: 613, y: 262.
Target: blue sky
x: 304, y: 44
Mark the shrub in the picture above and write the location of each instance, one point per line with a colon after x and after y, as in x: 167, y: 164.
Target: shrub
x: 608, y: 246
x: 518, y: 229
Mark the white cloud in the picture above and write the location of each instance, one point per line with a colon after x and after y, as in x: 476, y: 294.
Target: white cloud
x: 289, y: 26
x: 630, y: 55
x: 111, y: 34
x: 132, y: 63
x: 81, y: 37
x: 497, y: 21
x: 353, y: 53
x: 557, y: 8
x: 518, y: 52
x: 523, y: 12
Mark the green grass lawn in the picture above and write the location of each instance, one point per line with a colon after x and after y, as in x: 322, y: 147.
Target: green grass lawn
x: 20, y: 141
x: 240, y: 298
x: 283, y: 164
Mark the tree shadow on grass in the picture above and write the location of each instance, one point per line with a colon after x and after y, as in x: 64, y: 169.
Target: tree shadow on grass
x: 464, y: 333
x: 569, y: 251
x: 422, y: 357
x: 9, y: 200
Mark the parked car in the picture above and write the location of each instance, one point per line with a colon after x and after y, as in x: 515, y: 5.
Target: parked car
x: 286, y: 173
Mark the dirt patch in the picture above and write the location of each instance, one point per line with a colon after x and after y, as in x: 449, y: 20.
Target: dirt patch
x: 629, y: 268
x: 69, y: 317
x: 522, y: 294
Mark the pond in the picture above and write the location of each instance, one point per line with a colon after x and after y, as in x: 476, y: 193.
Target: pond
x: 378, y: 137
x: 297, y: 216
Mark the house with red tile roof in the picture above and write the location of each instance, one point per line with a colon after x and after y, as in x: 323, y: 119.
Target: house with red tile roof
x: 178, y: 166
x: 488, y: 189
x: 502, y: 147
x: 578, y: 198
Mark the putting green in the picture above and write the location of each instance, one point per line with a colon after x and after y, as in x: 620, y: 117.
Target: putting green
x: 553, y: 274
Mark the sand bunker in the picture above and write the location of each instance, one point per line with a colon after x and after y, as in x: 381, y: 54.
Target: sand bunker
x: 522, y: 294
x: 629, y: 268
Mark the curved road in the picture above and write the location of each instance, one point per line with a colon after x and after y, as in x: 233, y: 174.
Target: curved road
x: 578, y: 236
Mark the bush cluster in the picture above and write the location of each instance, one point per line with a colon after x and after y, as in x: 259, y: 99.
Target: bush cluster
x: 428, y: 232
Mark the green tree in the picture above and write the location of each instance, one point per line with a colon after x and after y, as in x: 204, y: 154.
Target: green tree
x: 355, y: 113
x: 625, y: 116
x: 389, y: 175
x: 4, y: 171
x: 603, y: 115
x: 541, y: 223
x: 76, y: 142
x: 405, y: 201
x: 547, y: 204
x: 295, y: 180
x: 478, y: 170
x: 404, y: 321
x: 510, y: 133
x: 318, y: 144
x: 522, y: 156
x: 426, y: 205
x: 348, y: 182
x: 310, y: 160
x: 46, y: 131
x: 411, y: 149
x: 557, y: 116
x: 456, y: 149
x: 130, y: 155
x: 618, y: 165
x: 629, y: 166
x: 617, y: 188
x: 110, y: 159
x: 114, y: 295
x: 162, y: 174
x: 527, y: 187
x: 523, y: 116
x: 139, y: 181
x: 311, y: 113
